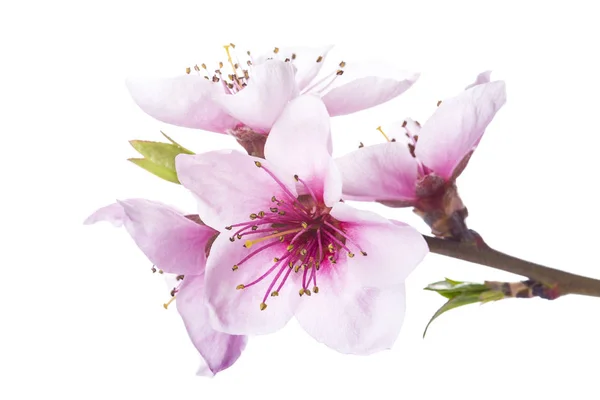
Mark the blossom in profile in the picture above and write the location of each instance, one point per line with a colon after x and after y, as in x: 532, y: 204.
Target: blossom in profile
x: 179, y: 245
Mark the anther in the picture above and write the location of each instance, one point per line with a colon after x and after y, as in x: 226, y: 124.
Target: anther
x: 153, y: 269
x: 350, y: 255
x: 276, y: 50
x: 361, y: 145
x: 173, y: 291
x: 188, y: 70
x: 439, y: 102
x: 238, y: 236
x: 293, y: 56
x: 281, y: 212
x: 274, y: 209
x: 240, y: 287
x: 342, y: 64
x: 253, y: 216
x: 262, y: 306
x: 287, y: 60
x: 316, y: 289
x: 319, y: 59
x: 275, y: 259
x: 180, y: 277
x: 331, y: 259
x: 274, y: 293
x: 290, y: 247
x: 330, y: 248
x: 307, y: 292
x: 291, y: 264
x: 281, y: 238
x: 301, y: 292
x: 304, y: 225
x: 303, y: 252
x: 254, y: 227
x: 261, y: 214
x: 196, y: 68
x: 160, y: 271
x: 220, y: 64
x: 273, y: 199
x: 404, y: 124
x: 296, y: 178
x: 364, y: 253
x: 248, y: 52
x: 234, y: 268
x: 340, y: 72
x: 232, y: 239
x: 297, y: 268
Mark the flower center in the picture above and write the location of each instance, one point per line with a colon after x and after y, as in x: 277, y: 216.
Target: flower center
x: 313, y: 239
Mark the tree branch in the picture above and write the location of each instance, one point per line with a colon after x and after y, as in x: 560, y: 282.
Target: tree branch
x: 480, y: 253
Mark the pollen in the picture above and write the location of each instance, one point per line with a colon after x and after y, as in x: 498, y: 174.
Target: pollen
x: 304, y: 224
x: 263, y: 306
x: 234, y: 268
x: 258, y: 164
x: 274, y: 293
x: 239, y: 287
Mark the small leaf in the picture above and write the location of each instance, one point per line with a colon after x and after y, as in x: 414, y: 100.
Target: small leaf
x: 158, y: 170
x: 183, y: 149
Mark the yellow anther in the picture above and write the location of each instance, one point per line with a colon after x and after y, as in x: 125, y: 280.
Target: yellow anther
x: 301, y: 292
x: 166, y: 305
x: 188, y: 70
x: 439, y: 102
x: 274, y: 293
x: 297, y: 268
x: 254, y: 227
x: 342, y: 64
x: 330, y: 248
x: 229, y: 228
x: 275, y: 259
x: 220, y: 65
x: 273, y: 199
x: 196, y: 68
x: 262, y: 306
x: 304, y: 225
x: 232, y: 45
x: 319, y: 59
x: 261, y: 214
x: 339, y: 72
x: 160, y: 271
x: 383, y: 133
x: 276, y: 50
x: 253, y: 216
x: 350, y: 255
x: 303, y: 252
x: 364, y: 253
x: 290, y: 247
x: 293, y: 56
x: 297, y: 178
x: 316, y: 289
x: 234, y: 268
x: 249, y: 243
x: 281, y: 213
x: 258, y: 164
x: 307, y: 292
x: 240, y: 287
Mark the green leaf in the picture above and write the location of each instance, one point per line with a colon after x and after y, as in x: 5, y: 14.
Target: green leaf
x: 158, y: 170
x: 183, y: 149
x: 461, y: 294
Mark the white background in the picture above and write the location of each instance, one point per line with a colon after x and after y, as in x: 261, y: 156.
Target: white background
x: 81, y: 314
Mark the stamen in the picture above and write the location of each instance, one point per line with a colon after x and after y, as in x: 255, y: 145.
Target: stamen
x: 166, y: 305
x: 250, y: 243
x: 383, y: 133
x: 312, y: 194
x: 364, y: 253
x: 254, y: 253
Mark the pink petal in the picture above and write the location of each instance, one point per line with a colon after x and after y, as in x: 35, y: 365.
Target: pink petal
x: 361, y: 87
x: 238, y: 311
x: 456, y: 127
x: 303, y: 58
x: 228, y: 185
x: 171, y: 241
x: 113, y: 213
x: 299, y: 145
x: 218, y: 350
x: 356, y: 320
x: 271, y: 86
x: 483, y: 77
x: 393, y: 251
x: 384, y: 171
x: 185, y: 101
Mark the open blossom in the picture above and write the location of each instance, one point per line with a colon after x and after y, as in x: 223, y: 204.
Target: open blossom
x: 422, y: 172
x: 245, y: 95
x: 178, y: 245
x: 288, y: 245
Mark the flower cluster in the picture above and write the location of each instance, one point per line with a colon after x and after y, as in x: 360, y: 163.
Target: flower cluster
x: 273, y: 237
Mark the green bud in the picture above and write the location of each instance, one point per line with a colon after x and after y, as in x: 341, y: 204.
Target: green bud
x: 159, y: 158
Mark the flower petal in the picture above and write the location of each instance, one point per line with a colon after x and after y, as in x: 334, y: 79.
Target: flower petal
x: 299, y: 145
x: 238, y: 311
x: 218, y: 350
x: 456, y: 127
x: 384, y: 171
x: 185, y: 101
x: 356, y: 321
x: 228, y: 185
x: 112, y: 213
x: 393, y: 251
x: 361, y: 87
x: 483, y: 77
x: 307, y: 60
x: 172, y: 242
x: 271, y: 86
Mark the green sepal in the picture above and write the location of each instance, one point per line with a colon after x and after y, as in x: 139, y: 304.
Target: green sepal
x: 160, y: 171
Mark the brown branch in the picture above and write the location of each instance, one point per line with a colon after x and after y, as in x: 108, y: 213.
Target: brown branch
x: 480, y: 253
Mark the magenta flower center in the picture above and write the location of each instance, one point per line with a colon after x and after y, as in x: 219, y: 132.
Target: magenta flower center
x: 312, y: 238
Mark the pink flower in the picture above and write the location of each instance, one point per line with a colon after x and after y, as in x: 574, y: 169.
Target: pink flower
x: 289, y: 247
x: 178, y: 245
x: 435, y: 155
x: 248, y: 98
